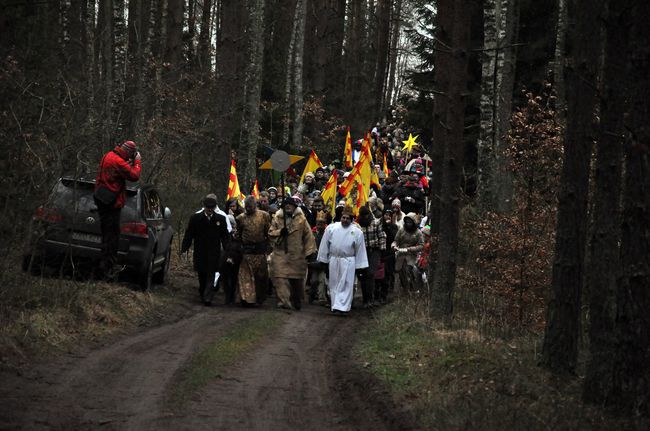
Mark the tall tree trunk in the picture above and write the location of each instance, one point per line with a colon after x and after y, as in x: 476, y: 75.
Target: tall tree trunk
x: 354, y: 61
x: 298, y: 100
x: 560, y: 348
x: 561, y: 31
x: 77, y: 67
x: 277, y: 49
x: 139, y: 21
x: 494, y: 181
x: 158, y: 36
x: 334, y: 82
x: 394, y: 39
x: 383, y: 36
x: 119, y: 61
x: 454, y: 18
x: 288, y: 86
x: 173, y: 46
x: 105, y: 36
x: 77, y: 44
x: 604, y: 263
x: 229, y: 87
x: 204, y: 39
x: 191, y: 34
x: 631, y: 382
x: 250, y: 130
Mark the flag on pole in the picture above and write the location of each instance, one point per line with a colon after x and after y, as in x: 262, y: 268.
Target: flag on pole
x: 256, y: 190
x: 348, y: 182
x: 361, y: 173
x: 313, y: 163
x: 329, y: 193
x: 347, y: 151
x: 365, y: 172
x: 367, y: 146
x: 233, y: 183
x: 362, y: 197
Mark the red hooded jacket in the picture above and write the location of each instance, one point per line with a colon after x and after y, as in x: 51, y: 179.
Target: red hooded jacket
x: 114, y: 171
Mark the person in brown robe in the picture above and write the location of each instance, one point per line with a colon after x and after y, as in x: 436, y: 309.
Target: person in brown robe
x: 253, y: 232
x: 293, y: 246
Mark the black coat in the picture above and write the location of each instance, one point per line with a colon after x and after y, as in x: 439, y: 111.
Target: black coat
x: 411, y: 198
x: 208, y: 235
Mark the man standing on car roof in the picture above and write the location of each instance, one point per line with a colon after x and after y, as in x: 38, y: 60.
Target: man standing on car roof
x: 116, y: 167
x: 209, y: 232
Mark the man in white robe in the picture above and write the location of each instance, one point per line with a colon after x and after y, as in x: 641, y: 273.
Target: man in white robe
x: 344, y: 248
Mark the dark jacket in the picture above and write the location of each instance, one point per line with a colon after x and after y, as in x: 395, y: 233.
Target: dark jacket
x: 208, y: 236
x: 411, y: 196
x: 114, y: 171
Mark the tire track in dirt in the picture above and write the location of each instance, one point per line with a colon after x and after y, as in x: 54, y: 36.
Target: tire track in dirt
x: 290, y: 382
x: 121, y: 386
x: 296, y: 378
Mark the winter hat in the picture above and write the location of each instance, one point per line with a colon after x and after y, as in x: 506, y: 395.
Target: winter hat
x: 377, y: 203
x: 412, y: 216
x: 210, y: 201
x: 270, y: 189
x: 290, y: 201
x: 396, y: 203
x: 129, y: 145
x: 310, y: 174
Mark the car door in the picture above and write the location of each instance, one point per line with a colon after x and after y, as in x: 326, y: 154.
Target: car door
x: 153, y: 213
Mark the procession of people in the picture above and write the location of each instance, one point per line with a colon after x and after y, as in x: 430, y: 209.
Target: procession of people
x: 346, y: 227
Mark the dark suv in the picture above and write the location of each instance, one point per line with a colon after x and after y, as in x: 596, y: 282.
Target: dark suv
x: 67, y: 230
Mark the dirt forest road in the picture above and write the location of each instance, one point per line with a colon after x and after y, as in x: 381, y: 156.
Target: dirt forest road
x: 299, y: 377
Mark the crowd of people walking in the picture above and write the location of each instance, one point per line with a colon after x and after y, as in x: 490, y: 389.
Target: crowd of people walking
x: 288, y: 241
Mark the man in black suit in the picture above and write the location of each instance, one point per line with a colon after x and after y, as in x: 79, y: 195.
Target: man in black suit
x: 209, y: 232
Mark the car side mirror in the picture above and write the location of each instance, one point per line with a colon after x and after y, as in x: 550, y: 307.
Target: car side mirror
x: 168, y: 213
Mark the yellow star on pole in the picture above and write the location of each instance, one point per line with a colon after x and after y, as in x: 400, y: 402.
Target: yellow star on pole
x: 410, y: 143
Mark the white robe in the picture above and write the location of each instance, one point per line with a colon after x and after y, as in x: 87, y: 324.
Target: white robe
x: 345, y: 250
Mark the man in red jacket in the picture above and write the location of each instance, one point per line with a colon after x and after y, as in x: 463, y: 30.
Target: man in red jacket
x: 117, y: 166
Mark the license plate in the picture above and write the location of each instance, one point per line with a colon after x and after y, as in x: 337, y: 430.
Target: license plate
x: 87, y: 237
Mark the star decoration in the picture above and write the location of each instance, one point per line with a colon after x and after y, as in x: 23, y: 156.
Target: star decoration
x: 410, y: 143
x: 292, y: 159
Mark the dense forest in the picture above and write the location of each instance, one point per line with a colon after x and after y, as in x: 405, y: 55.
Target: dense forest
x: 534, y: 114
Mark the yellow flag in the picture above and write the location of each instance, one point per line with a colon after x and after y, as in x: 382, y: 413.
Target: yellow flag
x: 362, y: 197
x: 313, y: 163
x: 233, y: 183
x: 347, y: 151
x: 365, y: 172
x: 329, y: 193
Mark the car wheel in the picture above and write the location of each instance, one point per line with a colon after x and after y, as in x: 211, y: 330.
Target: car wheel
x: 147, y: 277
x: 161, y: 276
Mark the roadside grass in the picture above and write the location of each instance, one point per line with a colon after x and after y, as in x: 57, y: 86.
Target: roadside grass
x: 41, y: 315
x: 454, y: 379
x: 209, y: 363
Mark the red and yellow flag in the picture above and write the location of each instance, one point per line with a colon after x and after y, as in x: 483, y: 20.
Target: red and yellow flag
x: 367, y: 145
x: 329, y: 193
x: 385, y: 167
x: 313, y: 163
x: 233, y: 183
x: 348, y: 182
x: 256, y: 190
x: 362, y: 197
x: 347, y: 151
